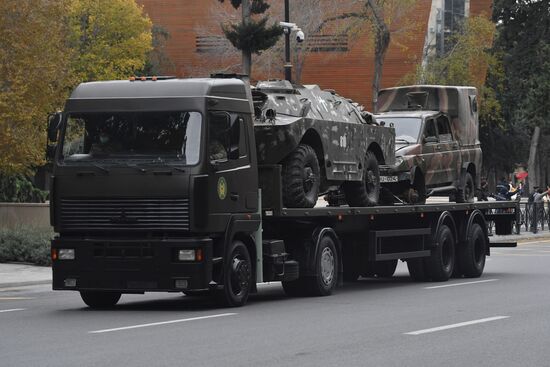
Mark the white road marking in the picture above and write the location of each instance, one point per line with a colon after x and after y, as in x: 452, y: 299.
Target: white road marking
x: 12, y: 310
x: 161, y: 323
x: 460, y: 324
x: 457, y: 284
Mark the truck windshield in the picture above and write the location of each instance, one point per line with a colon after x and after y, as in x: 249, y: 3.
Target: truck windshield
x: 133, y: 135
x: 406, y: 128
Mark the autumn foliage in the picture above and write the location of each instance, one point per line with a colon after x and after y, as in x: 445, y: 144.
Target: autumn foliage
x: 47, y: 48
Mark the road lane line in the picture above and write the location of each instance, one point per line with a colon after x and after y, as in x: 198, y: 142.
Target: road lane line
x: 160, y: 323
x: 453, y: 326
x: 12, y: 310
x: 457, y: 284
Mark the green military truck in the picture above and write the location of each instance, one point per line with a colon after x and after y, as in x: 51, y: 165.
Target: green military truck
x: 437, y: 142
x: 157, y: 187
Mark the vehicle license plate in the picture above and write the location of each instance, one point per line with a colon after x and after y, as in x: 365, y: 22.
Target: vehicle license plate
x: 388, y: 179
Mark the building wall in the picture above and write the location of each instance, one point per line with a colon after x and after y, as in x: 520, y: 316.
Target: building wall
x: 349, y: 73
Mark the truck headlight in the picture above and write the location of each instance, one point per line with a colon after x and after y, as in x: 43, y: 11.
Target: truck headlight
x: 66, y: 254
x: 190, y: 255
x: 398, y: 161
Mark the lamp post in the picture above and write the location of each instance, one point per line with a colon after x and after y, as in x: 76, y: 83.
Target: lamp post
x: 288, y: 65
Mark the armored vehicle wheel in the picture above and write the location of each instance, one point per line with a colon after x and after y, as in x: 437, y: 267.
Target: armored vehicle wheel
x: 466, y: 193
x: 301, y: 178
x: 100, y: 300
x: 237, y: 276
x: 326, y: 269
x: 471, y: 255
x: 366, y: 192
x: 440, y: 264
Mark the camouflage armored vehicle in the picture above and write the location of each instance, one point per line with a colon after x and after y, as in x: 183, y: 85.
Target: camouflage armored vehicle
x: 437, y: 142
x: 322, y: 141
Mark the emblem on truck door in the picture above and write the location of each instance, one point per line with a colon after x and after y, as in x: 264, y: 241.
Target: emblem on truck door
x: 222, y: 188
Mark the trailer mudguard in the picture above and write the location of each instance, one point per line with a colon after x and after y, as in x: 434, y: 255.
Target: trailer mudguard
x: 447, y: 219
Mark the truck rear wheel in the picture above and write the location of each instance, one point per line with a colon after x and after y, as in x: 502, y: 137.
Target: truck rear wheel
x: 367, y: 191
x: 326, y: 269
x: 100, y: 300
x: 237, y: 275
x: 471, y: 255
x: 440, y: 264
x: 301, y: 178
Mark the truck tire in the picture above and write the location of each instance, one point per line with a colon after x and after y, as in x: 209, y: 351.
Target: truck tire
x: 440, y: 265
x: 466, y: 193
x: 301, y: 178
x: 385, y: 269
x: 417, y: 270
x: 367, y: 191
x: 326, y: 269
x: 100, y: 300
x: 237, y: 275
x: 471, y: 255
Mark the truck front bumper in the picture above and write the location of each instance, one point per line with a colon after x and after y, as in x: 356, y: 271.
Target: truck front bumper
x: 131, y: 265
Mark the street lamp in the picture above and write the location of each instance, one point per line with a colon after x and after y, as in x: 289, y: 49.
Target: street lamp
x: 288, y: 29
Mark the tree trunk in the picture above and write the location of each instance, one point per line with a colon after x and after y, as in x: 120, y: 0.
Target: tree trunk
x: 246, y: 54
x: 382, y: 42
x: 531, y: 166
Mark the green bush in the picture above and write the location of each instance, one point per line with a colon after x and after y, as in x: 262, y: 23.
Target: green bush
x: 30, y: 245
x: 19, y: 189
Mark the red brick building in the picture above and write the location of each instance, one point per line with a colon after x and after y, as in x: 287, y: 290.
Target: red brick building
x: 346, y: 66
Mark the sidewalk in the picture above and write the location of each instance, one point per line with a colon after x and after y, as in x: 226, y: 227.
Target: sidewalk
x: 16, y: 275
x: 523, y: 236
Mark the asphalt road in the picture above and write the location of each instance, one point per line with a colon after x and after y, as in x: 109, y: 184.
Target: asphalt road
x: 500, y: 319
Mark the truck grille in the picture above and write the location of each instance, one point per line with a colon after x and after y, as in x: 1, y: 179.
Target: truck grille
x: 126, y: 213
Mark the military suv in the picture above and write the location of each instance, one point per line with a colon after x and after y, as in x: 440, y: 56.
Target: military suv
x: 437, y: 147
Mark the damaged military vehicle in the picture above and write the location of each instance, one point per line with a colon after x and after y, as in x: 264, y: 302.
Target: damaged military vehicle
x: 438, y: 151
x: 323, y: 142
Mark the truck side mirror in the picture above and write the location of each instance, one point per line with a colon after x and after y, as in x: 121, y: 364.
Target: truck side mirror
x: 54, y: 123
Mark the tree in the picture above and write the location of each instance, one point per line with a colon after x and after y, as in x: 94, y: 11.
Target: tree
x: 111, y: 38
x: 251, y: 36
x: 34, y: 76
x: 523, y: 34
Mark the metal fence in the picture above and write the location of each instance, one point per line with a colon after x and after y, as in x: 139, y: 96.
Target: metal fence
x: 532, y: 217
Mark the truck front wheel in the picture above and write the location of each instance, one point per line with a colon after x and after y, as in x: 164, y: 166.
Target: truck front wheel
x: 367, y: 191
x: 237, y: 275
x: 301, y: 178
x: 100, y: 300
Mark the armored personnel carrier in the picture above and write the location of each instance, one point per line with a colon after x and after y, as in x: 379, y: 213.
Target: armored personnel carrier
x: 322, y: 140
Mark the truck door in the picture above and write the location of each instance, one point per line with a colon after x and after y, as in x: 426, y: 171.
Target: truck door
x: 450, y: 154
x: 430, y: 153
x: 232, y: 183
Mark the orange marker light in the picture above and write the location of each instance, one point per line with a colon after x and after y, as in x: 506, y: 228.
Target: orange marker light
x: 421, y: 215
x: 54, y: 254
x: 340, y: 217
x: 198, y: 254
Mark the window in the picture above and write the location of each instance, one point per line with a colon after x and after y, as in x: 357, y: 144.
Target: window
x: 444, y: 129
x: 133, y: 135
x: 226, y: 137
x: 429, y: 129
x: 450, y: 21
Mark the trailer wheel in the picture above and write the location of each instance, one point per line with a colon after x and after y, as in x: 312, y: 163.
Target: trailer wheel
x: 466, y: 193
x: 100, y: 300
x: 385, y: 269
x: 237, y: 275
x: 301, y: 178
x: 471, y: 256
x: 367, y: 191
x: 440, y: 264
x: 326, y: 269
x: 417, y: 270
